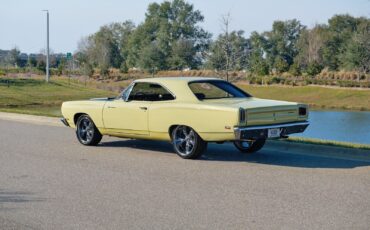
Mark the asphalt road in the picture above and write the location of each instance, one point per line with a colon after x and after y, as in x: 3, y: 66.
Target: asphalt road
x: 49, y: 181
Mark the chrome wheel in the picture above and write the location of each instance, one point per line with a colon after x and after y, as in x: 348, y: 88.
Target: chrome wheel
x: 249, y: 146
x: 245, y: 144
x: 185, y: 140
x: 85, y: 130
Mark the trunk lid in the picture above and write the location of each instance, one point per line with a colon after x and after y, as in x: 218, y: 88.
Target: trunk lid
x: 262, y: 111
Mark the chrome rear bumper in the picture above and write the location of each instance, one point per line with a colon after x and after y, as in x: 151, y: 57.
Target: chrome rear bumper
x: 261, y: 131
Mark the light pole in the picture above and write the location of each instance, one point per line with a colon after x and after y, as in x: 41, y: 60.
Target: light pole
x: 47, y: 46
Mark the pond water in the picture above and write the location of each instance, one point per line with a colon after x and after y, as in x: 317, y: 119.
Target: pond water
x: 339, y: 126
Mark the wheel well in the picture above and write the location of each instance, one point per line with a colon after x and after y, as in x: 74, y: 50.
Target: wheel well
x: 172, y: 127
x: 76, y: 116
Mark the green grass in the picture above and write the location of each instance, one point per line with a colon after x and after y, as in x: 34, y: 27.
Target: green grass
x: 34, y: 96
x: 328, y: 142
x: 317, y: 97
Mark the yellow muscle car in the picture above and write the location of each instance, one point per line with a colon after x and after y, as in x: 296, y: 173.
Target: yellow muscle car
x: 189, y: 112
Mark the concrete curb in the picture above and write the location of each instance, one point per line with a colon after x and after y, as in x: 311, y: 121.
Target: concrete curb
x: 319, y: 150
x: 274, y: 145
x: 39, y: 120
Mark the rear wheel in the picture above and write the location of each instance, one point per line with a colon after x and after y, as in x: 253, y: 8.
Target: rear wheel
x: 249, y: 146
x: 87, y: 133
x: 187, y: 143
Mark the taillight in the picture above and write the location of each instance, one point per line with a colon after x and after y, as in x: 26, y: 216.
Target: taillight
x: 302, y: 111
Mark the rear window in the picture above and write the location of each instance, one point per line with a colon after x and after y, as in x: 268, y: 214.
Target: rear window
x: 204, y: 90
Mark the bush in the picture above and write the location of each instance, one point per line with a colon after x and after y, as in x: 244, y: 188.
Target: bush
x: 123, y: 68
x: 276, y: 80
x: 88, y: 70
x: 104, y: 70
x: 295, y: 69
x: 255, y: 80
x: 314, y: 69
x: 281, y: 64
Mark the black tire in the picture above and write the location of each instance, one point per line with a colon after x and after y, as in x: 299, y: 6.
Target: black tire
x: 86, y: 131
x: 187, y: 143
x: 251, y: 147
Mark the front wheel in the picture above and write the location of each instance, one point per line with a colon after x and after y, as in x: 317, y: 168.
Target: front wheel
x: 249, y: 146
x: 87, y: 133
x: 187, y: 143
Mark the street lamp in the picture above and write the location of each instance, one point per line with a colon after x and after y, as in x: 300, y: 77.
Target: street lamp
x: 47, y: 46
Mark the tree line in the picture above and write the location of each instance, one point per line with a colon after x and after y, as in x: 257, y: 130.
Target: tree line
x: 171, y: 38
x: 35, y: 61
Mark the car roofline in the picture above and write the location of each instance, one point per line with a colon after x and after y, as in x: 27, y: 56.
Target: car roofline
x: 183, y: 79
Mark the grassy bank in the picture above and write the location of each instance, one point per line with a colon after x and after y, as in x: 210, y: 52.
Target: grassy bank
x: 34, y: 96
x: 328, y: 142
x: 316, y: 96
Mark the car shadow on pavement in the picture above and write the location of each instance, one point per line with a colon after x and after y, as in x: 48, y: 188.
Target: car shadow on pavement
x: 8, y: 196
x: 160, y: 146
x: 227, y: 153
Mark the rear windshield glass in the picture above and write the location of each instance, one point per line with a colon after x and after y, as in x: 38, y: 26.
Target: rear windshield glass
x: 216, y: 90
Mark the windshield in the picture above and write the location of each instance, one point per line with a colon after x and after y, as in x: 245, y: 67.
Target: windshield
x: 126, y: 92
x: 216, y: 89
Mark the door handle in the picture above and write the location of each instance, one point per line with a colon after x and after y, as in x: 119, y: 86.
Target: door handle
x: 144, y: 108
x: 111, y: 107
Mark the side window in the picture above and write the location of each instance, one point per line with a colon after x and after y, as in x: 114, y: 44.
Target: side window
x: 205, y: 90
x: 143, y: 91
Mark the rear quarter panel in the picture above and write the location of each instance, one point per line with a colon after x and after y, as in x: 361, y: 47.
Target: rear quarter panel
x: 209, y: 122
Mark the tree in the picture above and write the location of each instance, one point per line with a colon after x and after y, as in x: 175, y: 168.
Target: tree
x: 171, y: 29
x: 182, y: 54
x: 357, y: 53
x: 257, y: 63
x: 61, y: 66
x: 88, y: 69
x: 230, y: 51
x: 121, y: 33
x: 152, y: 59
x: 108, y: 47
x: 310, y: 46
x: 13, y: 57
x: 234, y: 57
x: 340, y: 30
x: 31, y: 61
x: 106, y: 51
x: 41, y: 65
x: 225, y: 43
x: 281, y: 47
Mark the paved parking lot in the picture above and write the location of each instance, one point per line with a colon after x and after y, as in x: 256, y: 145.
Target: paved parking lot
x: 49, y: 181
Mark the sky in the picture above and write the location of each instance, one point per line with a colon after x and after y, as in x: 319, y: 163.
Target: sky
x: 23, y: 24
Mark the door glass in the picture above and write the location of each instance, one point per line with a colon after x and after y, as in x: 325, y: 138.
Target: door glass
x: 144, y: 91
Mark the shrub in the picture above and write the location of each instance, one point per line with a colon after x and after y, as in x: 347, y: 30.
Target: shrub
x: 276, y: 80
x: 123, y: 68
x: 88, y: 70
x: 314, y: 69
x: 104, y: 70
x: 295, y: 69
